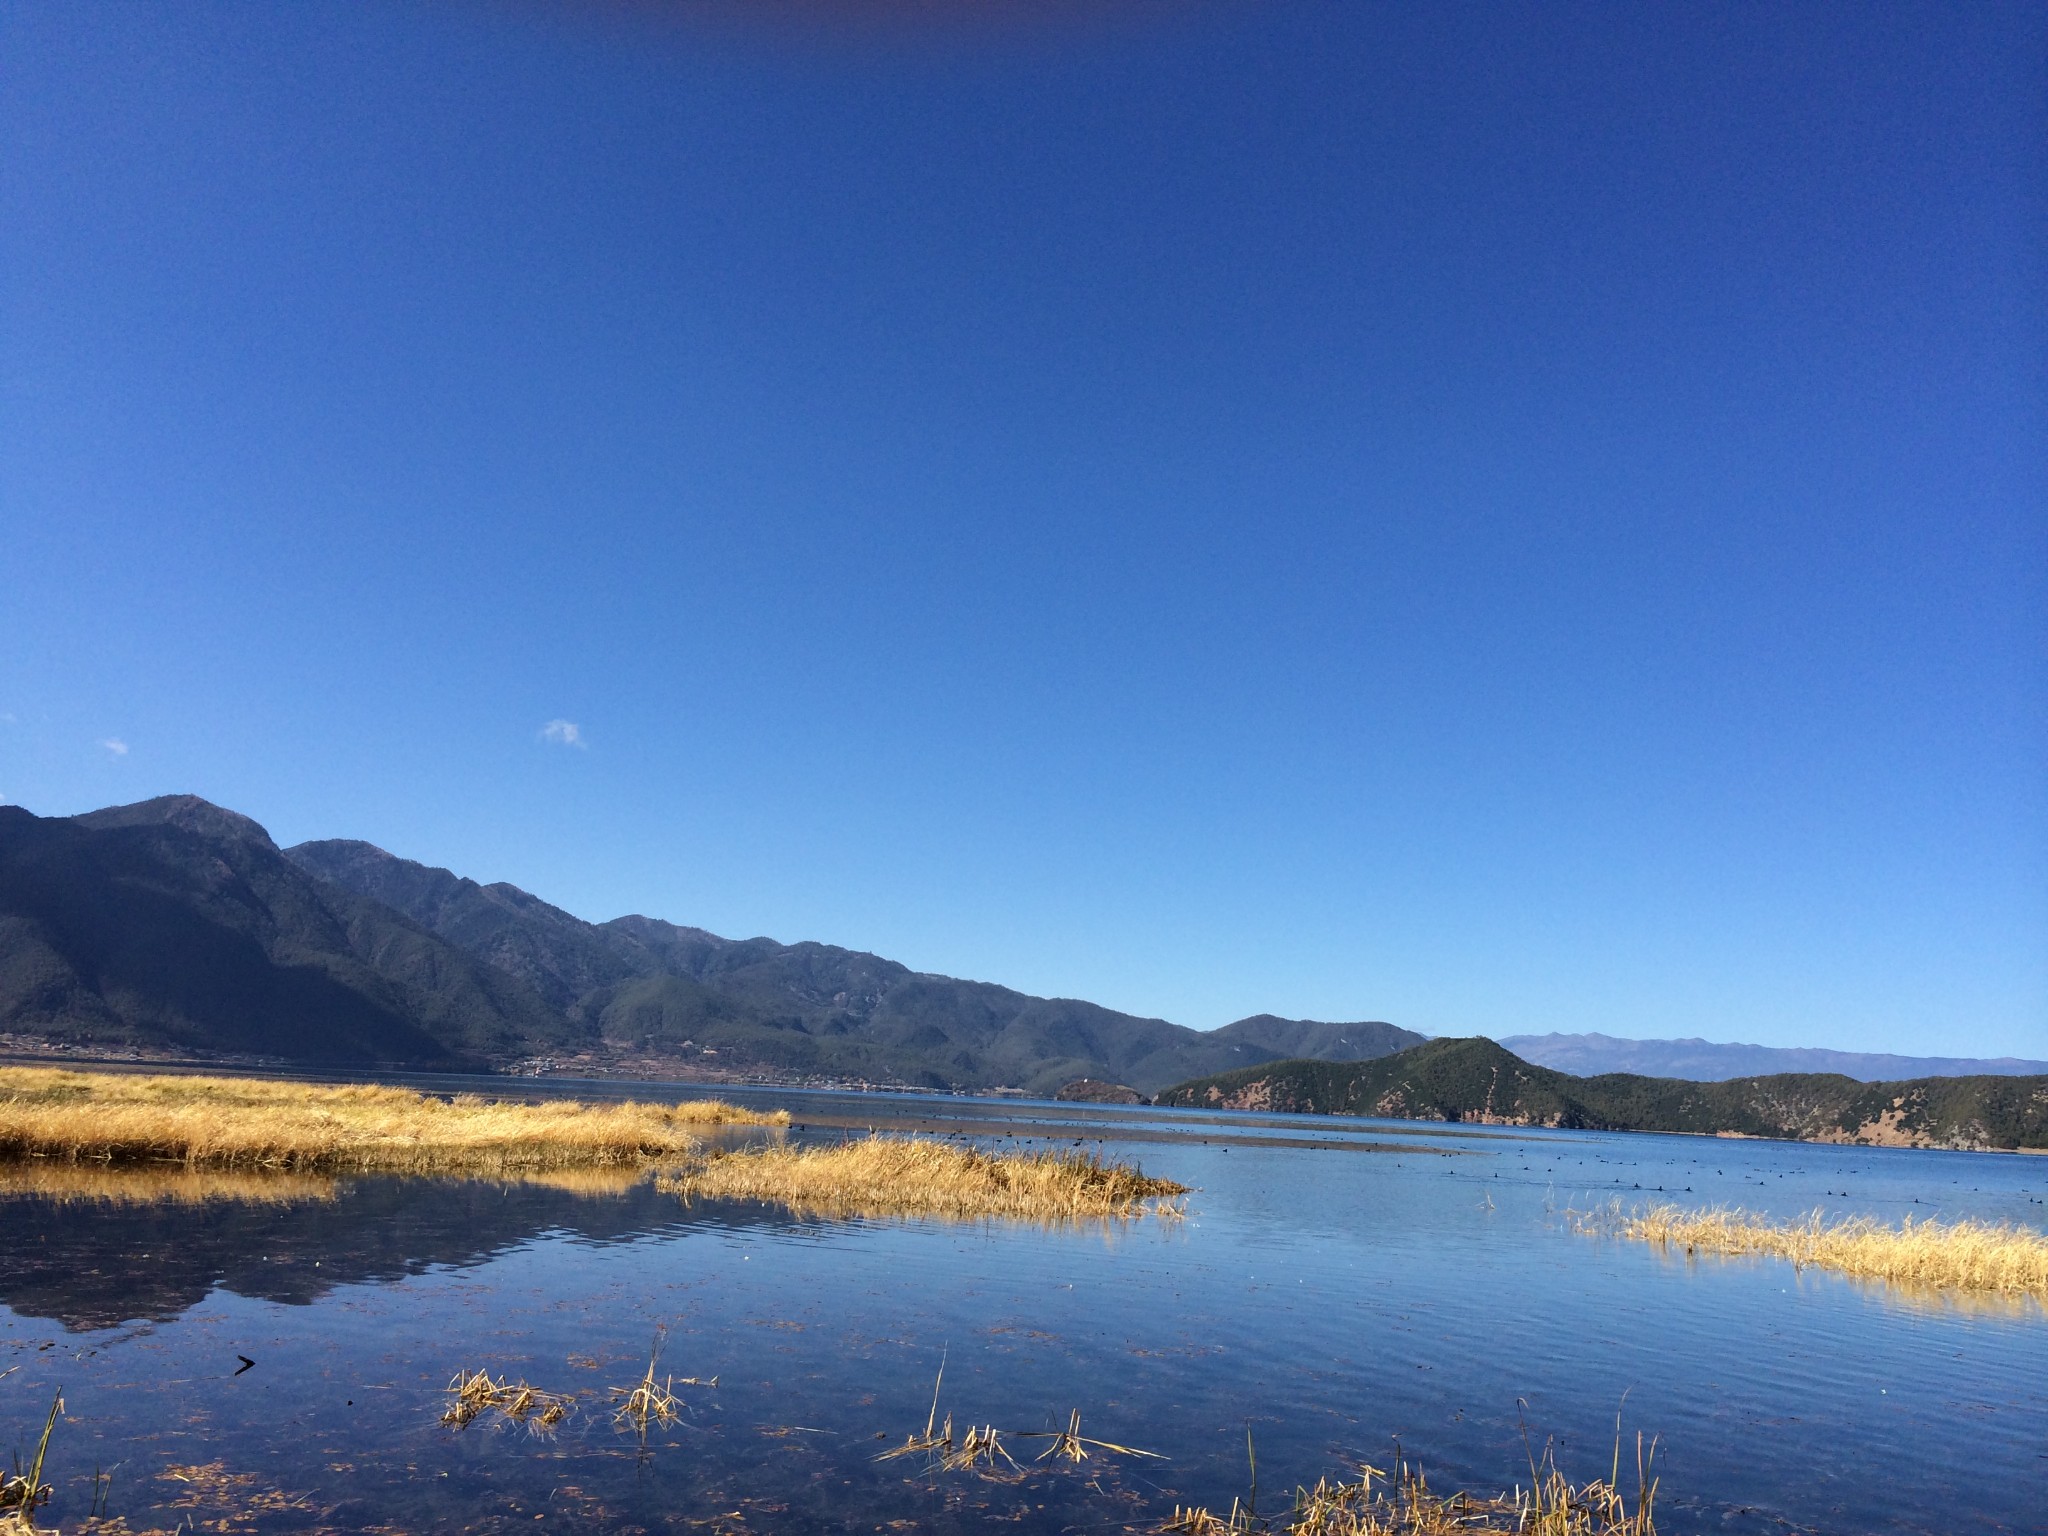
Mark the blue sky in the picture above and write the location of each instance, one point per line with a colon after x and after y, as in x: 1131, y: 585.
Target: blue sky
x: 1495, y: 518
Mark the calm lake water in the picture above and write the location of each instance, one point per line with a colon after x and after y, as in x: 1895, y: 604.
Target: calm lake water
x: 1337, y: 1287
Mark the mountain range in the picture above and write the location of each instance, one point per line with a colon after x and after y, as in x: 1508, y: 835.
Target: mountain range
x: 1478, y: 1081
x: 1706, y: 1062
x: 176, y: 927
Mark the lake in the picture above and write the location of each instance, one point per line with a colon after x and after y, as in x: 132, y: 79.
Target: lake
x: 1337, y: 1287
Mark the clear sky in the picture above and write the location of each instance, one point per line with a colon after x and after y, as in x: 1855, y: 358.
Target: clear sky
x: 1498, y: 518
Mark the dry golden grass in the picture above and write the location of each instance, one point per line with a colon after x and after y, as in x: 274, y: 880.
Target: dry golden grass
x: 1958, y: 1255
x: 909, y: 1176
x: 254, y: 1123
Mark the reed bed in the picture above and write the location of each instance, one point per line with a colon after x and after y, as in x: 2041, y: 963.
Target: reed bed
x: 1957, y: 1255
x: 910, y: 1176
x: 255, y: 1123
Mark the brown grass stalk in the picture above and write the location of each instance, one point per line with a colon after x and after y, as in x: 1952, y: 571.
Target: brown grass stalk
x: 1960, y: 1255
x: 898, y: 1175
x: 254, y: 1123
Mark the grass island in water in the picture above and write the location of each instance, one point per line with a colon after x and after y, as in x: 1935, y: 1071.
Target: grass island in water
x: 1951, y: 1255
x: 65, y: 1134
x: 256, y: 1123
x: 899, y: 1175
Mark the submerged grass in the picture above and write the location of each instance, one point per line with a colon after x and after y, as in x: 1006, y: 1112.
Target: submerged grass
x: 900, y: 1175
x: 1959, y: 1255
x: 256, y: 1123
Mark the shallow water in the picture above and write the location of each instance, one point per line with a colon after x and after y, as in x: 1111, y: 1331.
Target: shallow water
x: 1337, y: 1286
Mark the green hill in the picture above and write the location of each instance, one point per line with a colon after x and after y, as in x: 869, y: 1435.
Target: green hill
x: 178, y: 926
x: 1479, y: 1082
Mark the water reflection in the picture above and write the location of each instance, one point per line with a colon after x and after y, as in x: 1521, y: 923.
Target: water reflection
x: 156, y: 1184
x: 96, y: 1247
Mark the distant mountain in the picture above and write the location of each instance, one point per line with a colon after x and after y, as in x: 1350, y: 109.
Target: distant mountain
x: 640, y: 984
x: 1703, y: 1061
x: 1477, y: 1081
x: 1324, y: 1042
x: 178, y: 925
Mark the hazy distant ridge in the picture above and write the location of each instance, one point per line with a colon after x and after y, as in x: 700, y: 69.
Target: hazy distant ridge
x: 1703, y: 1061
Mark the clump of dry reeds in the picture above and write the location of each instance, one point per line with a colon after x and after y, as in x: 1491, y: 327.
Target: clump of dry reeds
x: 983, y: 1443
x: 649, y: 1402
x: 1401, y: 1503
x: 309, y: 1127
x: 902, y: 1175
x: 23, y: 1491
x: 1960, y: 1255
x: 477, y: 1392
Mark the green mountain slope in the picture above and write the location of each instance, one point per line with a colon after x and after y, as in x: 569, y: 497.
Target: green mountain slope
x: 645, y: 985
x: 178, y: 925
x: 1314, y: 1039
x: 1477, y: 1081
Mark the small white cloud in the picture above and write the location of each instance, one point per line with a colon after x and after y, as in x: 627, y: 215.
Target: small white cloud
x: 563, y: 733
x: 116, y: 745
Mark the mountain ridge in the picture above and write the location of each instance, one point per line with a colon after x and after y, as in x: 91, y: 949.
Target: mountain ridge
x: 174, y: 924
x: 1590, y: 1055
x: 177, y: 925
x: 1475, y: 1080
x: 179, y: 928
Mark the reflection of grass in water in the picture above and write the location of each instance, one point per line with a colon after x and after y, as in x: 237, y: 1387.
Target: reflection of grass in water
x: 66, y: 1183
x: 1962, y: 1256
x: 310, y: 1127
x: 898, y: 1175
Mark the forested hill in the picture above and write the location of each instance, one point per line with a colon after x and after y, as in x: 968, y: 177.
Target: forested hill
x: 1477, y: 1081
